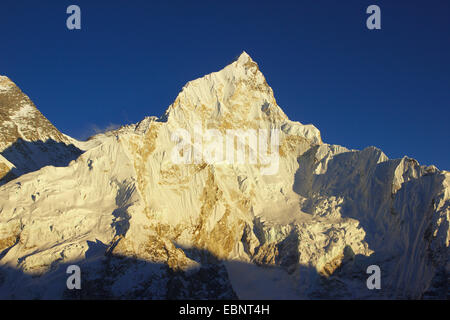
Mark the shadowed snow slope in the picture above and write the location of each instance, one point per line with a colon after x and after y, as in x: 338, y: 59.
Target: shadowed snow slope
x: 140, y: 225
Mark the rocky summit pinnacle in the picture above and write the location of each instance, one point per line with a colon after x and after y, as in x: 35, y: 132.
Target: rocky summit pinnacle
x: 141, y: 226
x: 27, y: 139
x: 238, y: 96
x: 245, y: 59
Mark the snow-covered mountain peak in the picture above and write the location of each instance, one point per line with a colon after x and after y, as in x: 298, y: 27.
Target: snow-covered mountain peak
x: 28, y: 139
x: 237, y: 91
x: 245, y: 60
x: 244, y: 56
x: 20, y: 119
x: 141, y: 225
x: 236, y: 97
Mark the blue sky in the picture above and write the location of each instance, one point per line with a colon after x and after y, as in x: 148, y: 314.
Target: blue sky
x: 389, y: 88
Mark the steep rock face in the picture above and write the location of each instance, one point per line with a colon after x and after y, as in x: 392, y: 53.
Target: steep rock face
x: 142, y: 226
x: 27, y: 139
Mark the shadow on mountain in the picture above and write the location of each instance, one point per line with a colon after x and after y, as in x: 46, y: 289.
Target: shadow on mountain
x: 107, y: 276
x: 28, y: 156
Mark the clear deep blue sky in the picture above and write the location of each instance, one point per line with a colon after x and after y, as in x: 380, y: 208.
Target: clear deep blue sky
x: 388, y: 88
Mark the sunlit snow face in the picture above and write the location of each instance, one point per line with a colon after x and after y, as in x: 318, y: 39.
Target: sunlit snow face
x: 214, y: 147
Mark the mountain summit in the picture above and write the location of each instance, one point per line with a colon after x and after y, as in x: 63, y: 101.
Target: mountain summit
x: 235, y: 97
x: 28, y: 141
x: 20, y: 119
x: 140, y: 225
